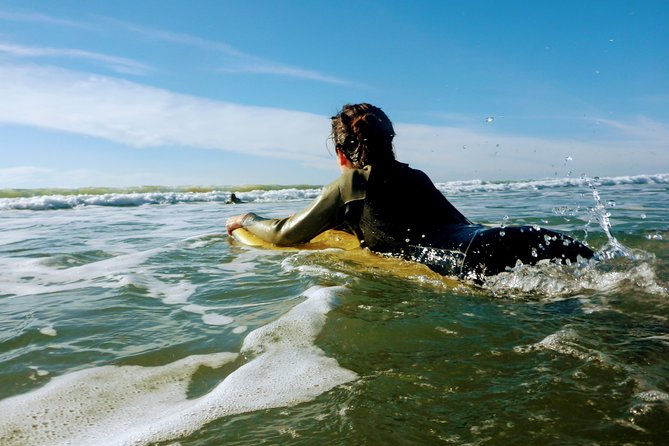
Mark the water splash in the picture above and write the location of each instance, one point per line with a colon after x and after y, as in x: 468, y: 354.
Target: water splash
x: 601, y: 215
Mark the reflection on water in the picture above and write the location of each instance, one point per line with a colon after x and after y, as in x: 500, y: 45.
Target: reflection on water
x: 127, y: 325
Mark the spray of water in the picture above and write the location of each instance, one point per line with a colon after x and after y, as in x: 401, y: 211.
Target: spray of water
x: 601, y: 215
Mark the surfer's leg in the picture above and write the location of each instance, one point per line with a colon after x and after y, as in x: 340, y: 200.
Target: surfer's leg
x: 495, y: 250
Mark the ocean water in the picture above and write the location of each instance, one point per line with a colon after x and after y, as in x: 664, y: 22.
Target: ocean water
x: 128, y: 317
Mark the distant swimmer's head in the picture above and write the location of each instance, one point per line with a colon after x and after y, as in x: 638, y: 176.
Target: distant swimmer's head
x: 364, y: 134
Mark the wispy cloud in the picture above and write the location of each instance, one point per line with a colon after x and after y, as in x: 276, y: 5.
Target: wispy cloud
x: 618, y: 149
x: 36, y: 17
x: 264, y: 67
x: 641, y: 127
x: 137, y: 115
x: 118, y: 64
x: 142, y: 116
x: 30, y: 177
x: 242, y: 62
x: 21, y: 175
x: 179, y: 38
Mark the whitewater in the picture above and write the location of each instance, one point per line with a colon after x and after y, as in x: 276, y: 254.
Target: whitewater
x: 128, y: 316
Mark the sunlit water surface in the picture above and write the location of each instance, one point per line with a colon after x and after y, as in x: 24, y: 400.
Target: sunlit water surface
x: 132, y: 319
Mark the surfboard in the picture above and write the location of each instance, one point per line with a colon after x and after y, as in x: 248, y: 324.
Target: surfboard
x: 328, y: 239
x: 350, y: 251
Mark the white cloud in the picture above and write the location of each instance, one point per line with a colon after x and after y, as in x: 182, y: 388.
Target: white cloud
x: 141, y: 116
x: 119, y: 64
x: 36, y: 17
x: 242, y: 62
x: 179, y: 38
x: 260, y: 66
x: 619, y: 148
x: 30, y: 177
x: 21, y: 176
x: 640, y: 128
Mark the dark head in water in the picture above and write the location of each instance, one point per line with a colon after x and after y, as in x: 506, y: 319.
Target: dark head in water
x: 233, y: 199
x: 364, y: 134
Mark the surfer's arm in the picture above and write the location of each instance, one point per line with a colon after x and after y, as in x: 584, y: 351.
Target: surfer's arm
x: 325, y: 212
x: 301, y: 227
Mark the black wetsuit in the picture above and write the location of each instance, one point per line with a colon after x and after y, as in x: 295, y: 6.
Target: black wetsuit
x: 396, y: 210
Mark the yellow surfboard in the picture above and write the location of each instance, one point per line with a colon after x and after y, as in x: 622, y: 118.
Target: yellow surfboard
x: 328, y: 239
x: 351, y: 251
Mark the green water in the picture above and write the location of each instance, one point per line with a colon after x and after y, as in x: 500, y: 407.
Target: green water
x: 145, y: 325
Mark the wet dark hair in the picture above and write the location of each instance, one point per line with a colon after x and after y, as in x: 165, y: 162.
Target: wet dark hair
x: 364, y: 134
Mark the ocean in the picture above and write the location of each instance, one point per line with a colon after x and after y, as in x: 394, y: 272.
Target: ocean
x: 128, y: 317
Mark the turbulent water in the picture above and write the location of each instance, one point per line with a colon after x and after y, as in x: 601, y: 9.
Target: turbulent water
x: 129, y: 317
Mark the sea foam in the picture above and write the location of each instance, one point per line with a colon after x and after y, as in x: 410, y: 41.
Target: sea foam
x: 133, y: 405
x: 43, y: 201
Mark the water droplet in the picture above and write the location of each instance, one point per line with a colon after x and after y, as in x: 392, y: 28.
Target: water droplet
x: 643, y: 216
x: 406, y: 240
x: 568, y: 158
x: 502, y: 233
x: 611, y: 203
x: 534, y: 252
x: 489, y: 119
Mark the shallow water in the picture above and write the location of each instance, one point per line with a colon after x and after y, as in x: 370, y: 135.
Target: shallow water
x: 130, y: 318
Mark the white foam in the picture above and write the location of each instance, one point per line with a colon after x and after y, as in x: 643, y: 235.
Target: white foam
x: 45, y: 279
x: 56, y: 201
x: 48, y: 331
x: 455, y: 187
x: 175, y: 293
x: 562, y: 341
x: 133, y: 405
x: 38, y: 371
x: 568, y: 342
x: 194, y: 308
x: 50, y: 202
x: 99, y: 405
x: 293, y: 264
x: 553, y: 281
x: 217, y: 319
x: 653, y: 395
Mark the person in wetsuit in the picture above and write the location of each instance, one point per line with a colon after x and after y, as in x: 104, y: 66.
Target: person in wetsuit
x: 396, y: 210
x: 233, y: 199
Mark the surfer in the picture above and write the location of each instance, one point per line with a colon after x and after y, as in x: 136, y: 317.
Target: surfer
x: 233, y: 199
x: 396, y: 210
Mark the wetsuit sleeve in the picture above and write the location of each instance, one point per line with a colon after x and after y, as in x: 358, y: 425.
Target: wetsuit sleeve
x: 325, y: 212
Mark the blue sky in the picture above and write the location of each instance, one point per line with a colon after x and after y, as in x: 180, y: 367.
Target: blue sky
x: 130, y: 93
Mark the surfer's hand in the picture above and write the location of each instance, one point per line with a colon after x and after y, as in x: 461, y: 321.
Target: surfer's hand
x: 235, y: 223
